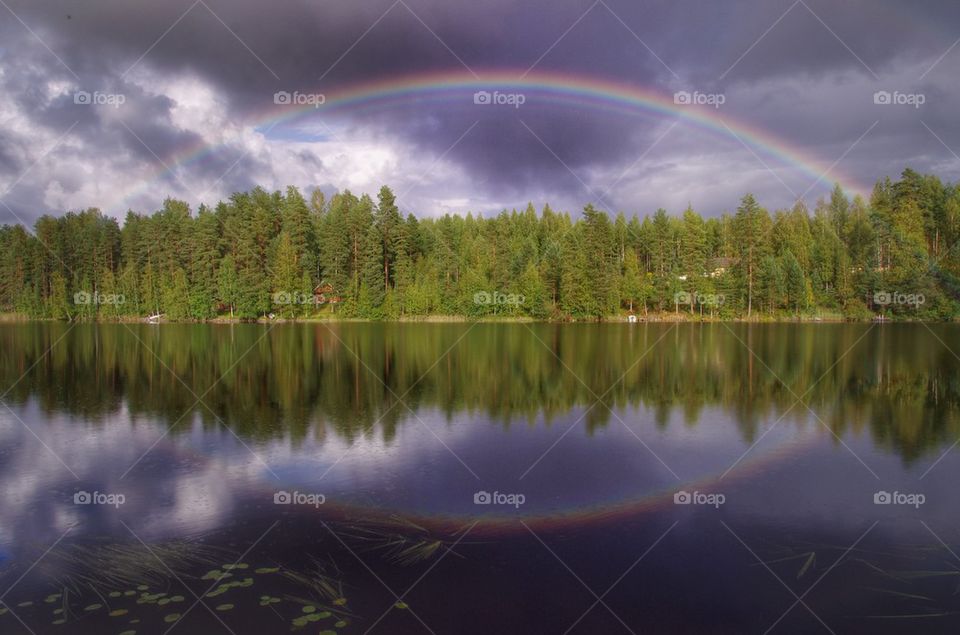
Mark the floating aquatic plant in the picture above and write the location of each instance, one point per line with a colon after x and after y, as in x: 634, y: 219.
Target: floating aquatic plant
x: 103, y: 580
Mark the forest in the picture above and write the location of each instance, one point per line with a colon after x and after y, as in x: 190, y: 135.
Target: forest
x: 282, y: 255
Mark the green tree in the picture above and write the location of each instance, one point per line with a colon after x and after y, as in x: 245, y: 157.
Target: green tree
x: 751, y: 225
x: 228, y: 284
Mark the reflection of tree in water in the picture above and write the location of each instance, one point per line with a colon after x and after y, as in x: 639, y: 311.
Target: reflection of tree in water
x: 895, y: 381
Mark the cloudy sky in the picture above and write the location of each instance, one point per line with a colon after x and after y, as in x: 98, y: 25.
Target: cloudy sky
x: 118, y: 104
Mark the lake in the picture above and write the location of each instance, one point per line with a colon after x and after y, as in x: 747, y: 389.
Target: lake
x: 479, y: 478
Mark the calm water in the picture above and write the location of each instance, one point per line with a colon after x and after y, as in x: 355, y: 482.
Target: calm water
x: 490, y: 478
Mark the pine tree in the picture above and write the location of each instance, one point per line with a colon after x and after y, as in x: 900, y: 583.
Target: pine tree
x: 388, y: 222
x: 600, y: 262
x: 228, y: 284
x: 750, y: 230
x: 372, y: 290
x: 795, y: 285
x: 632, y: 282
x: 299, y: 227
x: 287, y: 278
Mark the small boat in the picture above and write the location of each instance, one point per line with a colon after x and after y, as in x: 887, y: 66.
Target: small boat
x: 153, y: 319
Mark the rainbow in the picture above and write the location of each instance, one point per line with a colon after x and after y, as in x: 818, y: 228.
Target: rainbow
x: 454, y: 88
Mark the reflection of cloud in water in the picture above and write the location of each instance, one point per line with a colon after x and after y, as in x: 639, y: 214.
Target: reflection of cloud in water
x: 172, y: 491
x: 204, y: 478
x: 188, y: 483
x: 200, y: 478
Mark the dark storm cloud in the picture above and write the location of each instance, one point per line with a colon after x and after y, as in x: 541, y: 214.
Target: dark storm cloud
x: 260, y: 48
x: 302, y: 43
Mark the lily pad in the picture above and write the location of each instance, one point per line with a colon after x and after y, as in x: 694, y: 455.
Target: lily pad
x: 118, y: 612
x: 172, y: 617
x: 93, y: 607
x: 400, y: 604
x: 224, y: 607
x: 267, y: 570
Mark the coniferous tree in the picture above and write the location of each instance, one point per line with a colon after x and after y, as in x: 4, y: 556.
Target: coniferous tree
x: 234, y: 258
x: 750, y: 229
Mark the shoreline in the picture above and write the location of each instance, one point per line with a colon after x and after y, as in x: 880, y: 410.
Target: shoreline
x: 663, y: 318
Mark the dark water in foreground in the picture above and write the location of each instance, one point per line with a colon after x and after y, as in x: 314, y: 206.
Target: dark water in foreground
x: 495, y: 478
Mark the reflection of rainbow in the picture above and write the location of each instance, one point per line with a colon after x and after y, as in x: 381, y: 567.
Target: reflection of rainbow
x: 601, y: 512
x: 456, y: 88
x: 657, y: 501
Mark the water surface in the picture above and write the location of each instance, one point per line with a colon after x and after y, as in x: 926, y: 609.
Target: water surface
x: 589, y: 434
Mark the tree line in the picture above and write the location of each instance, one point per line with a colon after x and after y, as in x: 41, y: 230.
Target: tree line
x: 263, y: 253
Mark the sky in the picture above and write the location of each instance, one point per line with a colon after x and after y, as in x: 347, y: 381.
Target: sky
x: 472, y: 106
